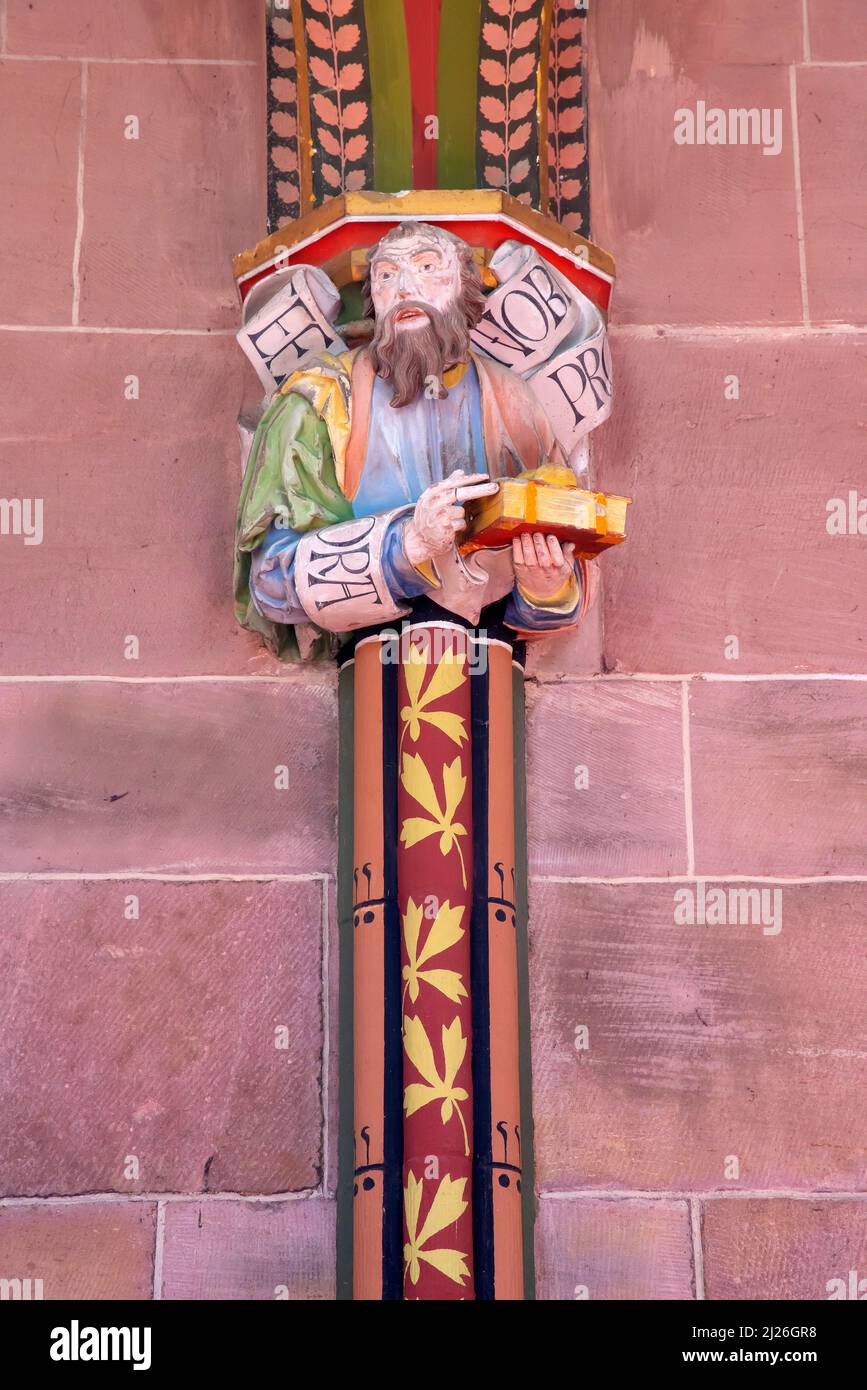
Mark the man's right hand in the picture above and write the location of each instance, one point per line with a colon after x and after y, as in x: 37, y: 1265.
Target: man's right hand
x: 439, y: 516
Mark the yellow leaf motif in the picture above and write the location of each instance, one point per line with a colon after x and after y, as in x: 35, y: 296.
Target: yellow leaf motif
x: 418, y: 782
x: 447, y: 1207
x: 446, y: 930
x: 448, y: 675
x: 436, y: 1087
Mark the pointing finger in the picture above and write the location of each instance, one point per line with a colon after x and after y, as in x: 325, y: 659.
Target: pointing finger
x: 466, y: 494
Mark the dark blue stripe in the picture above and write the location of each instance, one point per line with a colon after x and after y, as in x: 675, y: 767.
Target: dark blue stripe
x: 392, y: 1215
x: 483, y: 1196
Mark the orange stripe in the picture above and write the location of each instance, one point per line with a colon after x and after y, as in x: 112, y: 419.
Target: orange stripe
x: 356, y: 449
x: 503, y: 983
x: 369, y: 981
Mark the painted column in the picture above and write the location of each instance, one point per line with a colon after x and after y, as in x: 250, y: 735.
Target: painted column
x: 430, y: 943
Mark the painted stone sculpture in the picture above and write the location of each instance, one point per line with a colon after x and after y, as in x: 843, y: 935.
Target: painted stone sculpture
x: 353, y: 539
x: 347, y: 526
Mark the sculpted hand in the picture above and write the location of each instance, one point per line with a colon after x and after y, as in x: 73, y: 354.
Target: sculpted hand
x: 439, y: 514
x: 542, y: 566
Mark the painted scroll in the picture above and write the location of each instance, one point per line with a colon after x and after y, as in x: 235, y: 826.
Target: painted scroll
x: 546, y: 330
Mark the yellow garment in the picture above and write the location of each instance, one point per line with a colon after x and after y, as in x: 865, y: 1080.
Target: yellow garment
x: 327, y: 386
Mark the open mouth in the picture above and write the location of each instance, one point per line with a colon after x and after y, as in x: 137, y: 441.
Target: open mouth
x: 408, y: 315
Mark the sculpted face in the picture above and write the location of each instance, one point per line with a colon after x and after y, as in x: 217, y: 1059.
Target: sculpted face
x: 425, y: 295
x: 412, y: 275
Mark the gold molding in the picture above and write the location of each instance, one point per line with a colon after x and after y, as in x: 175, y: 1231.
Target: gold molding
x: 434, y: 203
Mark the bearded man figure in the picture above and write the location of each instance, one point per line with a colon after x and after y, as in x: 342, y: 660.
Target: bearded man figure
x: 361, y: 467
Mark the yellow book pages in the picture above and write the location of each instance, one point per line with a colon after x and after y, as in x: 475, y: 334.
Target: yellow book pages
x: 592, y: 520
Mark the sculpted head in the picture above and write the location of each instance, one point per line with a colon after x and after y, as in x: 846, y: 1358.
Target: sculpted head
x: 424, y: 291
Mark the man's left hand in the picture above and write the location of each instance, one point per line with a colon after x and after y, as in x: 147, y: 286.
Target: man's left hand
x: 542, y: 565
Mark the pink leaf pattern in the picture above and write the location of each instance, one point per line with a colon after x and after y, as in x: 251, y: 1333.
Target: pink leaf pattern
x: 567, y: 146
x: 354, y: 115
x: 329, y: 141
x: 341, y: 130
x: 495, y: 145
x: 283, y: 159
x: 522, y: 105
x: 356, y: 147
x: 525, y: 33
x: 523, y: 67
x: 571, y: 119
x: 493, y: 109
x: 320, y: 70
x: 496, y: 37
x: 326, y: 110
x: 346, y: 38
x: 284, y: 195
x: 507, y: 96
x: 351, y: 77
x: 493, y: 73
x: 572, y: 156
x: 318, y: 34
x: 283, y: 124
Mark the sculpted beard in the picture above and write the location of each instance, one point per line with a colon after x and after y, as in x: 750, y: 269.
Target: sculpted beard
x: 408, y: 357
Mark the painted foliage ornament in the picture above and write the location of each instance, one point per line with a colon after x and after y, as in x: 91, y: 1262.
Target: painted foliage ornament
x: 379, y: 521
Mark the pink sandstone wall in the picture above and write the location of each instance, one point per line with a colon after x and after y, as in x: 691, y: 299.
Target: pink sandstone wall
x: 155, y: 1141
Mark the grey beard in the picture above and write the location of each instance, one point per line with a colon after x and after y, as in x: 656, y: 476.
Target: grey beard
x: 411, y: 356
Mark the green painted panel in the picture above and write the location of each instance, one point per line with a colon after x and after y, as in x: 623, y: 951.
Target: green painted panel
x: 352, y: 304
x: 391, y: 95
x: 457, y: 93
x: 522, y: 941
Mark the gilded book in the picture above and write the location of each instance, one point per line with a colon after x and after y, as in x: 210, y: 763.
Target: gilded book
x: 547, y: 500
